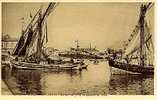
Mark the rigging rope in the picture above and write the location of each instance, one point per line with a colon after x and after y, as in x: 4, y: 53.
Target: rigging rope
x: 136, y: 30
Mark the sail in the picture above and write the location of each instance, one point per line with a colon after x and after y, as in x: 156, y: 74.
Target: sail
x: 45, y: 35
x: 23, y: 43
x: 28, y: 39
x: 24, y: 36
x: 32, y: 48
x: 41, y: 35
x: 19, y: 45
x: 132, y: 45
x: 49, y: 9
x: 34, y: 36
x: 142, y: 50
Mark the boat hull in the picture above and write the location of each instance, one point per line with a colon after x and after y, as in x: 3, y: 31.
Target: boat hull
x: 132, y: 68
x: 33, y: 66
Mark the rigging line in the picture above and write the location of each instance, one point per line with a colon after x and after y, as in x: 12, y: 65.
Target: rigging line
x: 150, y: 6
x: 148, y: 54
x: 132, y: 41
x: 136, y: 48
x: 148, y: 32
x: 149, y: 50
x: 150, y: 37
x: 147, y: 28
x: 152, y: 44
x: 147, y: 46
x: 135, y: 32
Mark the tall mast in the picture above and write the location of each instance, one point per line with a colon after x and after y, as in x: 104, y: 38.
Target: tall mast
x: 77, y: 44
x: 142, y: 35
x: 142, y: 15
x: 90, y: 46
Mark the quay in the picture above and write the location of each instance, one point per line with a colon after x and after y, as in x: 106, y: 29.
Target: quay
x: 5, y: 89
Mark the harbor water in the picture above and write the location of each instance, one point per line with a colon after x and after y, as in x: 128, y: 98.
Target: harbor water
x: 97, y: 79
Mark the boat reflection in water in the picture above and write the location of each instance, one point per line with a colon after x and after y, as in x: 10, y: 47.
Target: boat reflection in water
x: 96, y: 80
x: 131, y: 85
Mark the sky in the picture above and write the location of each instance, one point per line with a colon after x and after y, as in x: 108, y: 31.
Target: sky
x: 101, y: 24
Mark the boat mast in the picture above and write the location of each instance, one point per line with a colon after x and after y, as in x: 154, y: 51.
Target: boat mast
x: 142, y: 35
x: 142, y: 15
x: 90, y: 46
x: 77, y: 44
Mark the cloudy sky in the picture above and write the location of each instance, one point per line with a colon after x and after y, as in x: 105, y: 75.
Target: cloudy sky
x: 102, y: 24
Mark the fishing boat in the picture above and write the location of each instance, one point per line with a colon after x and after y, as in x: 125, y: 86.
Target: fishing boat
x: 138, y: 53
x: 29, y: 52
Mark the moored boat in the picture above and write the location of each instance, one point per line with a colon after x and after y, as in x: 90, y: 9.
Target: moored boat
x: 29, y: 52
x: 138, y: 55
x: 132, y: 68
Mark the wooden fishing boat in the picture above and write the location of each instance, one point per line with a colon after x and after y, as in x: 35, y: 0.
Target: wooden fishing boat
x: 29, y: 52
x: 25, y: 65
x: 132, y: 68
x: 139, y: 57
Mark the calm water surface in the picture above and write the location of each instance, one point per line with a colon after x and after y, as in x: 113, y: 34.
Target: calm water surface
x: 95, y: 80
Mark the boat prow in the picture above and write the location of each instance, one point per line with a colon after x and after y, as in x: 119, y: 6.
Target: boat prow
x: 132, y: 68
